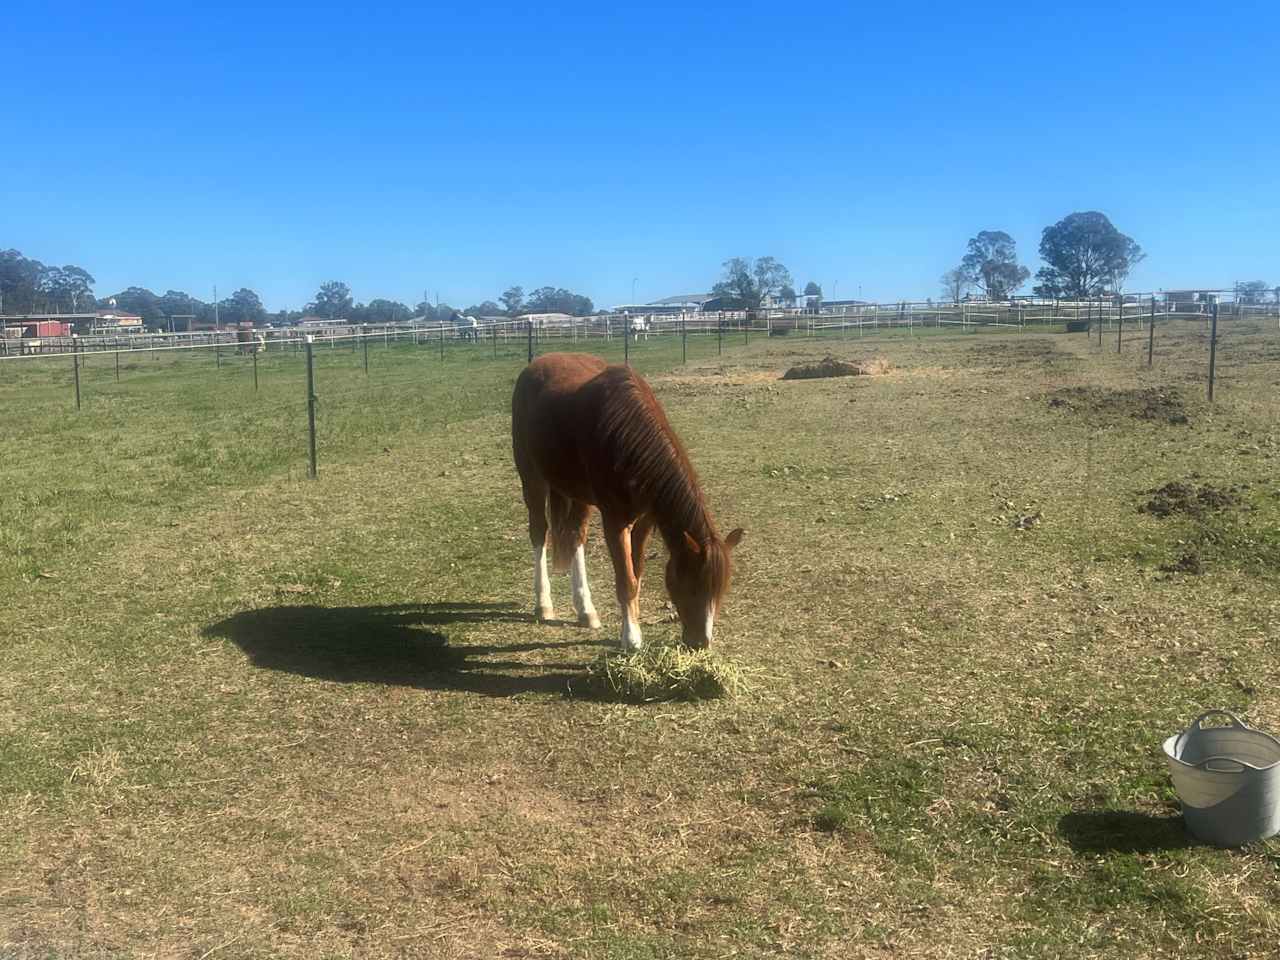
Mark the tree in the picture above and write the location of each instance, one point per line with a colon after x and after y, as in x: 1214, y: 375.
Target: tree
x: 333, y: 301
x: 811, y: 289
x: 787, y: 292
x: 558, y: 300
x: 139, y: 301
x: 1252, y: 291
x: 1084, y: 253
x: 954, y: 285
x: 486, y: 309
x: 751, y: 281
x: 19, y: 282
x: 28, y: 286
x: 69, y: 288
x: 386, y: 311
x: 991, y: 265
x: 512, y: 300
x: 243, y: 306
x: 175, y: 303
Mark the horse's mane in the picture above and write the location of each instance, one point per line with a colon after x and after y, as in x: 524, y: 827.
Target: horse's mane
x: 650, y: 454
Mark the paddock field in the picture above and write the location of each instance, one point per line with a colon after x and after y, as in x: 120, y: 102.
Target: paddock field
x: 244, y: 714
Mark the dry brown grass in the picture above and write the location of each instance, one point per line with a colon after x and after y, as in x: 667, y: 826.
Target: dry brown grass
x: 944, y: 709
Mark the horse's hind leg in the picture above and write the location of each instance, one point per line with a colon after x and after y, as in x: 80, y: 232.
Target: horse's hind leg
x: 582, y: 605
x: 569, y: 521
x: 535, y: 499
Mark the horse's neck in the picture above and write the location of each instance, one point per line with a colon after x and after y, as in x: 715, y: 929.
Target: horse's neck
x: 678, y: 508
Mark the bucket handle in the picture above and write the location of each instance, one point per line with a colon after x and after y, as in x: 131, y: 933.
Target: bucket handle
x: 1223, y: 765
x: 1196, y: 724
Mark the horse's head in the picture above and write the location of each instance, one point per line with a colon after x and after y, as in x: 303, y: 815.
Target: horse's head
x: 697, y: 580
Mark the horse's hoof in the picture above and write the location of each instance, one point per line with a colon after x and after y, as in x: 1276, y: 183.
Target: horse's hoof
x: 545, y: 614
x: 591, y: 620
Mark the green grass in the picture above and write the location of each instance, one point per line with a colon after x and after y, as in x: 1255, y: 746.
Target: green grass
x: 317, y: 717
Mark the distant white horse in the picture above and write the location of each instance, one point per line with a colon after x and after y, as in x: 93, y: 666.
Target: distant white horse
x: 641, y: 327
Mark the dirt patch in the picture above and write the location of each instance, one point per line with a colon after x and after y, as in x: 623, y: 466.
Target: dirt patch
x: 1189, y: 562
x: 716, y: 380
x: 1190, y: 500
x: 829, y: 366
x: 1150, y: 403
x: 1004, y: 355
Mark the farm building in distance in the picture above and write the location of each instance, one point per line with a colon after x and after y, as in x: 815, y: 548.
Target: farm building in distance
x: 684, y: 303
x: 65, y: 324
x: 1189, y: 301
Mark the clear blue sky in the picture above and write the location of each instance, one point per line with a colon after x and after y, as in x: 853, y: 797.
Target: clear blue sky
x: 469, y: 147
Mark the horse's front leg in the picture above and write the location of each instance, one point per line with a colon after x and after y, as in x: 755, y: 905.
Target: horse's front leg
x: 618, y: 538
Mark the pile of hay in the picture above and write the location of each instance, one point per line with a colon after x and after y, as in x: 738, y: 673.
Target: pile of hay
x: 664, y: 672
x: 831, y: 367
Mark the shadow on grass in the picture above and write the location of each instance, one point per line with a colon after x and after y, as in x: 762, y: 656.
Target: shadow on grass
x: 1123, y: 831
x: 395, y: 645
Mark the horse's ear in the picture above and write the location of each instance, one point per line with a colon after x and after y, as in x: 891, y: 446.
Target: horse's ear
x: 691, y: 543
x: 734, y: 538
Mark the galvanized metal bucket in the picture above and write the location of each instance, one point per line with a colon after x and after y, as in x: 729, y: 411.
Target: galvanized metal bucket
x: 1228, y: 779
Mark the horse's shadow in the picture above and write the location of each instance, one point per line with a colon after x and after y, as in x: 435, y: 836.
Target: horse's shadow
x: 397, y: 646
x: 1123, y: 831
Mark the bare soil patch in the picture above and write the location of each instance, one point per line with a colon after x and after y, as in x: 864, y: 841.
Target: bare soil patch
x: 829, y: 366
x: 1188, y: 499
x: 1006, y: 354
x: 735, y: 379
x: 1149, y: 403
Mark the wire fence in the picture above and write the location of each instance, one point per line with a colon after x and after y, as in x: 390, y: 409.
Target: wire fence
x: 836, y: 316
x: 520, y: 340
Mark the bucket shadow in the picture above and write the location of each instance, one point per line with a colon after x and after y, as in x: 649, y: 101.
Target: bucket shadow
x: 1124, y: 831
x: 400, y: 645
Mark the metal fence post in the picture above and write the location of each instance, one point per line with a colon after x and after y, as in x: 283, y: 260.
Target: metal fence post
x: 1151, y: 330
x: 441, y: 341
x: 117, y: 363
x: 530, y: 332
x: 1120, y: 325
x: 626, y: 339
x: 684, y: 341
x: 1213, y: 348
x: 311, y: 411
x: 364, y: 339
x: 255, y: 370
x: 493, y: 333
x: 720, y: 337
x: 75, y: 365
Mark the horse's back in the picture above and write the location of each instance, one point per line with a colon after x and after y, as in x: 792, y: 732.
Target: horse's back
x: 544, y: 407
x: 556, y: 373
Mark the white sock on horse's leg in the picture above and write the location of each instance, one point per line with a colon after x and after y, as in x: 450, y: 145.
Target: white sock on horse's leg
x: 630, y: 639
x: 586, y: 610
x: 542, y: 585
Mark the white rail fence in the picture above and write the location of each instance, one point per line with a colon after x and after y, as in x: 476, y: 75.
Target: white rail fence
x: 841, y: 318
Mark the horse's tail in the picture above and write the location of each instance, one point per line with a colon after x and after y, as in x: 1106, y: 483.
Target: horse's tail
x: 568, y: 520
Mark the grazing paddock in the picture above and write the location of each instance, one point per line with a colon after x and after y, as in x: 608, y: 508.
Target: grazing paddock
x: 243, y: 714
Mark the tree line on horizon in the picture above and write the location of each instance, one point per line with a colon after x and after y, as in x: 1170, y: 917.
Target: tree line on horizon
x: 28, y: 286
x: 1084, y: 256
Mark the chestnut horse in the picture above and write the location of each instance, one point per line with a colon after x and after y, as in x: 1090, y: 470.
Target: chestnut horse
x: 589, y: 435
